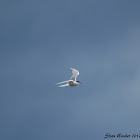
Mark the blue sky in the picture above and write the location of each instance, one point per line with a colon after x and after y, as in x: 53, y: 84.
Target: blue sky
x: 40, y: 40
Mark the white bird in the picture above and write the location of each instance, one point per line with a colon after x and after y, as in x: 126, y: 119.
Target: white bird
x: 72, y: 82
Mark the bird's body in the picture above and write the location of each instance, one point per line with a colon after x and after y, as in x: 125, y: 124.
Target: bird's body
x: 72, y: 82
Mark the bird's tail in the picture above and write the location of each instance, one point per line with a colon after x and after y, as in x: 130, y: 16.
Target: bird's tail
x: 64, y: 85
x: 63, y: 82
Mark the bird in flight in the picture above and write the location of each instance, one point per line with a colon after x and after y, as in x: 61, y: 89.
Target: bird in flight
x: 72, y: 82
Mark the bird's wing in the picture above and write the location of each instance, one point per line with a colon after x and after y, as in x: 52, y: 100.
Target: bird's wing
x: 64, y: 85
x: 75, y: 74
x: 63, y: 82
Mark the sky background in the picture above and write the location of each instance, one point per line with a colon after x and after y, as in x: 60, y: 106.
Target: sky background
x: 40, y: 40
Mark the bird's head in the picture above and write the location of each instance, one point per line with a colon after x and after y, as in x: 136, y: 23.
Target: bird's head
x: 79, y: 82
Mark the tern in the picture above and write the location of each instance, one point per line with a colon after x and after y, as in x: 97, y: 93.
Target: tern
x: 72, y: 82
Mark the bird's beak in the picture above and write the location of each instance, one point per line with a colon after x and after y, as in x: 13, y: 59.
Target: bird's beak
x: 81, y: 83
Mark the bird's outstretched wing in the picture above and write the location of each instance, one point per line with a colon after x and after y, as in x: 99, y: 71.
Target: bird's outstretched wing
x: 75, y: 74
